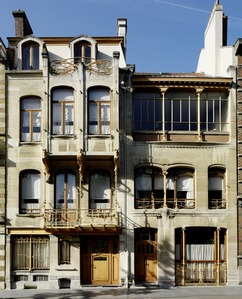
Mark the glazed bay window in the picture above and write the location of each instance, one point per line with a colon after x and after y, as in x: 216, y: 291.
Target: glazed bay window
x: 178, y: 111
x: 30, y: 56
x: 30, y: 119
x: 30, y: 253
x: 216, y: 188
x: 99, y: 111
x: 100, y: 190
x: 30, y: 192
x: 62, y: 111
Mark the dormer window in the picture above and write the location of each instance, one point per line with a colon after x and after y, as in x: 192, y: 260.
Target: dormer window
x: 82, y: 52
x: 30, y: 56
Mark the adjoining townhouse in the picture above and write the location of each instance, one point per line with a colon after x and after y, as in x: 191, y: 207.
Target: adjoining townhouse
x: 2, y: 162
x: 116, y: 177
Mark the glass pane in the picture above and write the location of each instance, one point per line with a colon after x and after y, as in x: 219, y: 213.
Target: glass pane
x: 71, y: 190
x: 36, y: 126
x: 35, y: 62
x: 69, y: 118
x: 98, y: 94
x: 57, y: 128
x: 59, y: 191
x: 100, y: 191
x: 63, y: 95
x: 93, y: 118
x: 26, y: 58
x: 25, y: 126
x: 105, y: 119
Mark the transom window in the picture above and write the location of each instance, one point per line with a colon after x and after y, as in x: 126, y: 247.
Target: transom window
x: 30, y: 119
x: 178, y: 111
x: 100, y: 190
x: 63, y: 111
x: 151, y: 182
x: 99, y: 111
x: 30, y: 191
x: 30, y: 253
x: 30, y: 56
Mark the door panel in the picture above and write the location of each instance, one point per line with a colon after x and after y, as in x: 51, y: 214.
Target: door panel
x: 100, y: 269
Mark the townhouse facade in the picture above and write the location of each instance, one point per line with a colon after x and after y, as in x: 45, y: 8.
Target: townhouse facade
x: 116, y: 177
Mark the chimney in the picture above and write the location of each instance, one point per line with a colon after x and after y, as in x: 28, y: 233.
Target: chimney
x: 122, y: 30
x: 22, y: 26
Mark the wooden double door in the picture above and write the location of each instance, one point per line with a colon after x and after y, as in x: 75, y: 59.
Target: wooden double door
x: 100, y: 260
x: 145, y: 255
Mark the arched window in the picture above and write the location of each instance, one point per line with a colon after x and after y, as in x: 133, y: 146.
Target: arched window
x: 82, y: 52
x: 216, y: 189
x: 30, y: 56
x: 65, y: 190
x: 99, y: 111
x: 100, y: 190
x: 62, y: 111
x: 30, y: 119
x: 30, y: 191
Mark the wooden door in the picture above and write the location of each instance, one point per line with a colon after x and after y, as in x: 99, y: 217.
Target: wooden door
x: 145, y: 256
x: 100, y: 258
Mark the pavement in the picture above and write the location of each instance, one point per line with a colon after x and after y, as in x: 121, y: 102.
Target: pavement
x: 211, y: 292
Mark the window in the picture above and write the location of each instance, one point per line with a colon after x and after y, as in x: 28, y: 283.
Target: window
x: 64, y: 251
x: 99, y: 111
x: 180, y: 111
x: 63, y: 111
x: 65, y: 190
x: 82, y: 52
x: 30, y: 253
x: 216, y: 193
x: 30, y: 192
x: 30, y: 56
x: 214, y: 111
x: 30, y: 120
x: 150, y: 183
x: 100, y: 190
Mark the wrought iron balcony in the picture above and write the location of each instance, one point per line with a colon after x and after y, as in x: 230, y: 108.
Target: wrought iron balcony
x: 82, y: 219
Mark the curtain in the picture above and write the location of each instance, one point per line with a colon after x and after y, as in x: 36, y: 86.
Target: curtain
x: 40, y: 247
x: 30, y: 191
x: 143, y: 182
x: 69, y: 118
x: 215, y: 183
x: 105, y: 119
x: 25, y: 126
x: 93, y: 118
x: 185, y: 183
x: 199, y: 252
x: 36, y: 125
x: 67, y: 181
x: 57, y: 128
x: 71, y: 191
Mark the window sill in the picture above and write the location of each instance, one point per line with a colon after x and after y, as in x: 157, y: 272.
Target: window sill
x: 108, y: 136
x: 32, y: 143
x: 65, y: 268
x: 30, y: 215
x: 66, y: 136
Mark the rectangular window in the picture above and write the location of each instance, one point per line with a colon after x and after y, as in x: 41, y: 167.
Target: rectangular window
x: 64, y: 252
x: 99, y: 111
x: 63, y: 112
x: 30, y: 120
x: 30, y: 253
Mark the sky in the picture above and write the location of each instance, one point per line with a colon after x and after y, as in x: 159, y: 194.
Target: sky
x: 162, y: 36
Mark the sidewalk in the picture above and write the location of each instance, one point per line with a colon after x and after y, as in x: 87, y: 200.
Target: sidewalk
x: 226, y: 292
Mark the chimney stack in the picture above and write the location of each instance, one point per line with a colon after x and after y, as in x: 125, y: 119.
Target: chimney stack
x: 122, y: 29
x: 22, y: 26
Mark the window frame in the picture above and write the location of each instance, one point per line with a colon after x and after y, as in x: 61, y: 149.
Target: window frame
x: 31, y: 111
x: 24, y: 173
x: 98, y: 103
x: 67, y: 176
x: 32, y: 57
x: 64, y: 251
x: 98, y: 203
x: 80, y: 47
x: 26, y: 251
x: 219, y: 201
x: 62, y: 125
